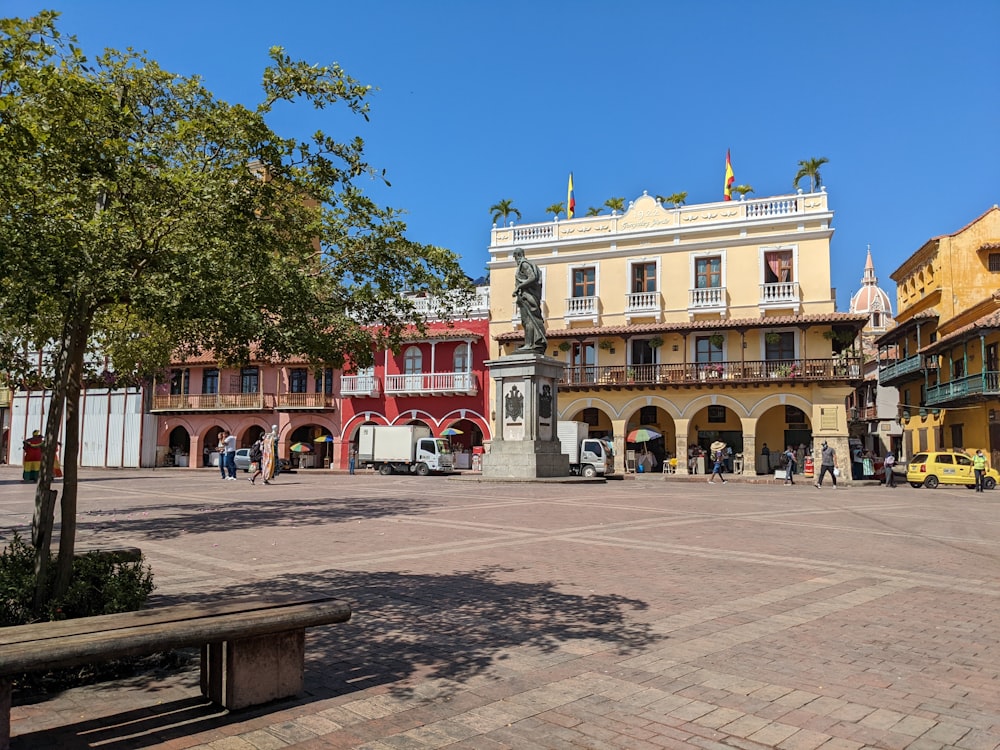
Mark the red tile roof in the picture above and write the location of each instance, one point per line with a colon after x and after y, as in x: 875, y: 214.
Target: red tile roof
x: 722, y: 324
x: 989, y: 322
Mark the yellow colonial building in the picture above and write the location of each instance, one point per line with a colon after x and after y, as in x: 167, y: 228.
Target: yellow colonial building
x: 943, y: 355
x: 711, y: 322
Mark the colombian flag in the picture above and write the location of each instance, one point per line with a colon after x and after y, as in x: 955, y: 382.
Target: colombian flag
x: 570, y: 199
x: 727, y: 192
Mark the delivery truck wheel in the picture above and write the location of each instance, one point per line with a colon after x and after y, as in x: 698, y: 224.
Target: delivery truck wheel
x: 385, y: 469
x: 589, y: 471
x: 422, y: 470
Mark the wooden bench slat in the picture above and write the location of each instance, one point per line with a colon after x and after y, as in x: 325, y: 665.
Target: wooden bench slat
x: 139, y: 639
x: 41, y: 631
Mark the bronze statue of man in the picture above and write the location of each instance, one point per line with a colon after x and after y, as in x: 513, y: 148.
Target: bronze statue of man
x: 528, y: 296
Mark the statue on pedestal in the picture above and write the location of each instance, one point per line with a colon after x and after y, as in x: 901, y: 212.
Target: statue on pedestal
x: 528, y: 296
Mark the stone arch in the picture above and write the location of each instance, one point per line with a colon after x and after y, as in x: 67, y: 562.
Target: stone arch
x: 714, y: 399
x: 770, y: 400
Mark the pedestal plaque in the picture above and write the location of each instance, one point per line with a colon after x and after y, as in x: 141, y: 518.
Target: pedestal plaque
x: 526, y: 444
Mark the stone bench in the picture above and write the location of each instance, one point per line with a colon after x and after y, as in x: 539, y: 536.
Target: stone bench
x: 252, y: 650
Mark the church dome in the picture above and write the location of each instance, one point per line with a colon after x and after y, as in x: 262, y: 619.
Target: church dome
x: 872, y: 301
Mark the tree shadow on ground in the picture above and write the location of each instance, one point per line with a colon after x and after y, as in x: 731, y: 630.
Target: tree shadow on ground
x: 420, y: 637
x: 172, y: 520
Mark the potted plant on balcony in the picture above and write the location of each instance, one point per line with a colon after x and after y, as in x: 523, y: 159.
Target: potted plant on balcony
x: 607, y: 345
x: 782, y: 371
x: 564, y: 346
x: 717, y: 340
x: 656, y: 342
x: 772, y: 338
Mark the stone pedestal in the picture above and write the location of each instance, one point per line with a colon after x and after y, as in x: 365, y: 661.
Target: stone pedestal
x: 526, y: 444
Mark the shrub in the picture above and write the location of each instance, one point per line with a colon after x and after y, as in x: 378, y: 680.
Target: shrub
x: 99, y: 586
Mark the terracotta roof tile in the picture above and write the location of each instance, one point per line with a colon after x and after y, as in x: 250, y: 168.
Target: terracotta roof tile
x: 989, y: 322
x: 722, y: 324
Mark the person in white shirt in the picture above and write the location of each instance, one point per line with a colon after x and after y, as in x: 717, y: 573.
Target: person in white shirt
x: 231, y: 456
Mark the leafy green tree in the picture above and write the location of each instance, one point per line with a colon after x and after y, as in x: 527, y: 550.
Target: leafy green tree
x: 810, y: 168
x: 555, y: 209
x: 744, y: 189
x: 594, y: 211
x: 504, y: 208
x: 615, y: 204
x: 146, y: 219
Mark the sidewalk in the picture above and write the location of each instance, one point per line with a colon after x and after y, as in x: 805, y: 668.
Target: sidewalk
x: 620, y: 614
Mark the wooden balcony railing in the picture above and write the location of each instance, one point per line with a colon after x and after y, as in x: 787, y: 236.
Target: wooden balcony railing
x: 432, y: 384
x: 355, y: 386
x: 899, y: 368
x: 712, y: 373
x: 213, y: 402
x: 980, y: 384
x: 305, y: 401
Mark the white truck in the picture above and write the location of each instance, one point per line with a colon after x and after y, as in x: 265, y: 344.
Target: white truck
x: 406, y: 449
x: 587, y: 456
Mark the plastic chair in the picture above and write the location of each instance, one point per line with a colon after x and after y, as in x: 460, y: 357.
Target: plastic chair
x: 630, y: 462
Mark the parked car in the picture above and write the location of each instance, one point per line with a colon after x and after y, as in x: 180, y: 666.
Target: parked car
x: 243, y: 461
x: 946, y: 467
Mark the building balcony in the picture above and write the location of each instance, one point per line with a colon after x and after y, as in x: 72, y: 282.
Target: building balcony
x: 901, y: 371
x: 433, y: 308
x: 866, y: 413
x: 305, y: 402
x: 780, y: 294
x: 360, y: 386
x: 712, y: 299
x: 712, y: 374
x: 206, y: 402
x: 432, y: 384
x: 643, y: 305
x: 582, y: 308
x: 961, y: 390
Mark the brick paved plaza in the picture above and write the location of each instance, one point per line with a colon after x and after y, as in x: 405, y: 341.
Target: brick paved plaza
x: 627, y: 614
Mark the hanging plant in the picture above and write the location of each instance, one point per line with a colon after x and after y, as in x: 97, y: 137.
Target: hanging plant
x: 772, y: 338
x: 829, y: 335
x: 717, y: 340
x: 655, y: 343
x: 606, y: 344
x: 564, y: 346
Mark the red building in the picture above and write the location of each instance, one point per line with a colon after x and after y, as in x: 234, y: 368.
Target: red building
x: 437, y: 379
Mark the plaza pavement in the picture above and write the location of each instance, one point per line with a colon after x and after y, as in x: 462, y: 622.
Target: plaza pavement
x: 631, y: 614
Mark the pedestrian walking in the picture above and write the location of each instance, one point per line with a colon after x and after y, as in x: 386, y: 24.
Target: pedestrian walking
x: 890, y: 461
x: 827, y: 464
x: 230, y: 444
x: 789, y: 465
x: 221, y: 450
x: 351, y: 460
x: 717, y: 468
x: 32, y: 460
x: 256, y: 461
x: 979, y: 467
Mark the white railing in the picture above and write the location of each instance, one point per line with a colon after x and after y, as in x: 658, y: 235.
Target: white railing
x: 638, y: 302
x: 581, y: 307
x: 713, y: 297
x: 779, y: 291
x: 533, y: 233
x: 431, y: 383
x: 359, y: 385
x: 432, y: 307
x: 767, y: 207
x: 659, y: 218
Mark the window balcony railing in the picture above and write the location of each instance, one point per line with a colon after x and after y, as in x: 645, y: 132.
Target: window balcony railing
x: 360, y: 386
x: 643, y: 303
x: 581, y: 307
x: 712, y: 298
x: 213, y: 402
x: 432, y: 384
x: 980, y: 384
x: 711, y: 373
x: 899, y: 369
x: 779, y: 293
x: 306, y: 401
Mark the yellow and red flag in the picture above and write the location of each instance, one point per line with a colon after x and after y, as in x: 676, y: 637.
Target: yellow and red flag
x: 727, y: 192
x: 570, y: 199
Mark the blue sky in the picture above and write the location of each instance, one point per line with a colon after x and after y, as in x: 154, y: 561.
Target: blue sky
x: 481, y: 101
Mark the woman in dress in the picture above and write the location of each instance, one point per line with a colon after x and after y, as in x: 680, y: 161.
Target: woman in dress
x: 32, y: 457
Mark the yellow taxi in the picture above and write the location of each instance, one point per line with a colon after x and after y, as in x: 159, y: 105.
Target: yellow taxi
x: 946, y: 467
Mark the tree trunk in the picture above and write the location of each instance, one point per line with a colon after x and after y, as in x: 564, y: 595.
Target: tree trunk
x: 67, y: 529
